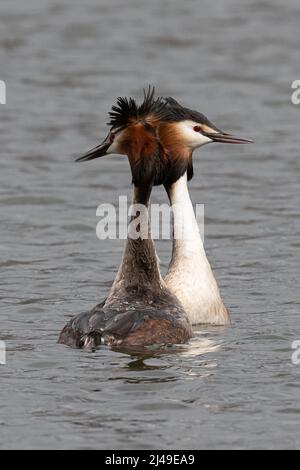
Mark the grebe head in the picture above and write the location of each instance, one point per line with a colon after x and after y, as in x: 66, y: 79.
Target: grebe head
x: 134, y: 133
x: 194, y: 129
x: 159, y: 137
x: 185, y: 130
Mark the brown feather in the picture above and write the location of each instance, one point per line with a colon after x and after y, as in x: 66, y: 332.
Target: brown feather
x: 146, y: 157
x: 178, y: 154
x: 138, y: 142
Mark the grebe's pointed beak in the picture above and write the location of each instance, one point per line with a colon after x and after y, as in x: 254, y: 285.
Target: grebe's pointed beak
x: 227, y: 138
x: 97, y: 152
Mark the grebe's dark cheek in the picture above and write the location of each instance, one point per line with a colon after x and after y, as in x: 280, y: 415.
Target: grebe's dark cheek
x: 197, y: 129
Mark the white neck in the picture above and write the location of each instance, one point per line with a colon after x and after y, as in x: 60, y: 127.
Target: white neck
x: 186, y: 234
x: 189, y: 275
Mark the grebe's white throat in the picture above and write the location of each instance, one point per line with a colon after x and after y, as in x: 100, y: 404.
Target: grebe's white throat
x: 190, y: 276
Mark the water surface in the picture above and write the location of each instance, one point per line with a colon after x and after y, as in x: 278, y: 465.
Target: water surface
x: 64, y: 63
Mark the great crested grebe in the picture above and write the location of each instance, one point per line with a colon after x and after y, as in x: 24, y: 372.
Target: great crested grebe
x: 189, y: 275
x: 140, y: 310
x: 159, y: 138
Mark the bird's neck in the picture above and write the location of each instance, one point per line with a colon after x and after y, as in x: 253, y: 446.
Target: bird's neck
x: 189, y: 276
x: 139, y: 270
x: 186, y: 235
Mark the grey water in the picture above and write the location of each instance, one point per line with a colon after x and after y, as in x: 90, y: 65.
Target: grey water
x: 64, y: 63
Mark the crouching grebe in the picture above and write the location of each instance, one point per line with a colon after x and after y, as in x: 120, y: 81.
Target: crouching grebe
x: 140, y: 310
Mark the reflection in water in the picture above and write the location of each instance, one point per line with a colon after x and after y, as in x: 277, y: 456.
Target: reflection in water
x: 192, y: 359
x: 201, y: 344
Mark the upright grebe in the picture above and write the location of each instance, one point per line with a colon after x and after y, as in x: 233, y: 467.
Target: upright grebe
x: 190, y: 276
x: 140, y: 310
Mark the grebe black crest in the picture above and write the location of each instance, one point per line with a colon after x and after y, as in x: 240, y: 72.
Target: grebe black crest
x: 158, y: 137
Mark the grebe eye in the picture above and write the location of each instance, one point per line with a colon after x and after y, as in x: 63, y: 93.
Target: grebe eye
x: 197, y: 129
